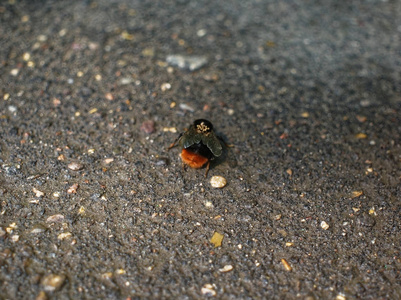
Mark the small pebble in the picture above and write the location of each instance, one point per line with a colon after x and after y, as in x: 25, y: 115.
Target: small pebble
x: 72, y: 189
x: 2, y: 232
x: 341, y: 296
x: 52, y: 282
x: 75, y: 166
x: 208, y: 290
x: 286, y: 265
x: 356, y: 194
x: 230, y: 111
x: 55, y: 218
x: 184, y: 106
x: 190, y: 63
x: 37, y: 230
x: 226, y: 268
x: 38, y: 193
x: 148, y: 126
x: 14, y: 72
x: 361, y: 135
x: 64, y: 235
x: 41, y: 296
x: 324, y: 225
x: 108, y: 160
x: 12, y: 108
x: 109, y: 96
x: 218, y: 182
x: 170, y: 129
x: 165, y: 86
x: 162, y: 161
x: 217, y: 239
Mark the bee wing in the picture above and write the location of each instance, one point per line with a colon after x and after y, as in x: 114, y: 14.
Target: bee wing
x: 213, y: 143
x: 190, y: 138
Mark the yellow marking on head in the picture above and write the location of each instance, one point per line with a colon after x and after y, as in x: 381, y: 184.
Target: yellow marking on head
x: 202, y: 128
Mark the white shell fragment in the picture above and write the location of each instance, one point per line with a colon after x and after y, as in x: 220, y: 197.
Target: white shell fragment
x: 218, y: 182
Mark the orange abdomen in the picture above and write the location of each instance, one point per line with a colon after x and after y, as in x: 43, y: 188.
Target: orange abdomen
x: 193, y: 160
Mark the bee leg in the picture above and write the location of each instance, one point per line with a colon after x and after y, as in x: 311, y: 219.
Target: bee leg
x: 175, y: 142
x: 207, y: 168
x: 224, y: 142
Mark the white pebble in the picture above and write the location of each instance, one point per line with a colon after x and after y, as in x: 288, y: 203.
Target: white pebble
x: 75, y: 166
x: 165, y: 86
x: 14, y: 72
x: 324, y: 225
x: 226, y: 268
x: 218, y: 182
x: 208, y: 290
x: 55, y: 218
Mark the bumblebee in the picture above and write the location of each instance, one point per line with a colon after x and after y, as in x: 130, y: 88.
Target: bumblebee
x: 199, y: 145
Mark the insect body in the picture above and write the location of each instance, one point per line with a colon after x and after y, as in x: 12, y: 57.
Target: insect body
x: 199, y: 145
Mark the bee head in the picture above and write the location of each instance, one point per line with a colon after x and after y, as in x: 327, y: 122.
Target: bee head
x: 203, y: 126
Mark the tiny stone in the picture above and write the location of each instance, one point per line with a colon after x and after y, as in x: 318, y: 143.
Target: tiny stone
x: 208, y: 290
x: 226, y: 268
x: 286, y: 265
x: 14, y: 72
x: 163, y: 161
x: 38, y: 193
x: 230, y: 111
x: 109, y: 96
x: 12, y: 108
x: 72, y: 189
x: 15, y: 238
x: 56, y: 102
x: 55, y: 218
x: 41, y: 296
x: 324, y: 225
x: 217, y: 239
x: 184, y: 106
x: 341, y: 296
x: 107, y: 275
x: 170, y: 129
x: 361, y: 135
x: 165, y: 86
x: 26, y: 56
x: 108, y: 160
x: 2, y: 232
x: 75, y: 166
x: 148, y: 126
x: 190, y: 63
x: 201, y: 32
x: 37, y: 230
x: 218, y: 182
x: 64, y: 235
x: 125, y: 80
x: 52, y: 282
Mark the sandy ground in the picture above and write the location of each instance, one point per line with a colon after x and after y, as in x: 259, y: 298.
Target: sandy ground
x: 92, y: 206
